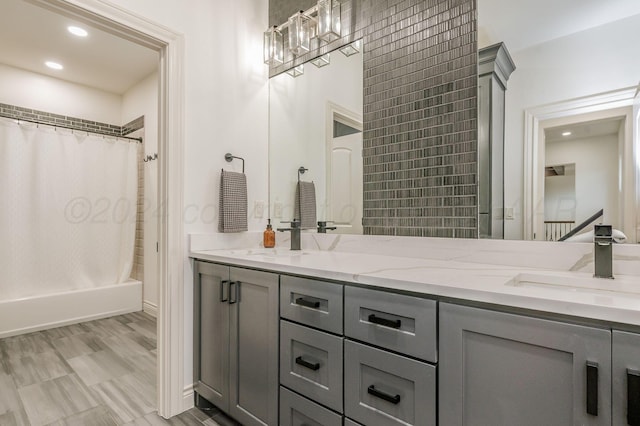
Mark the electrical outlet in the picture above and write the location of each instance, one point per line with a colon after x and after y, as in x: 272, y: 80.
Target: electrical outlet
x: 277, y: 210
x: 258, y: 209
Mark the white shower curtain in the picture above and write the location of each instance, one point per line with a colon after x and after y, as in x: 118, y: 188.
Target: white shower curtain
x: 68, y: 212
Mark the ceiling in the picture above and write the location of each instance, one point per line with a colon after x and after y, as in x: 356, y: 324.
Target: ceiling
x: 31, y: 35
x: 610, y: 126
x: 525, y: 23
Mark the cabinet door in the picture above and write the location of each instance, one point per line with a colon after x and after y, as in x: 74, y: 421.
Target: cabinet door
x: 626, y: 379
x: 504, y: 369
x: 211, y: 333
x: 253, y: 347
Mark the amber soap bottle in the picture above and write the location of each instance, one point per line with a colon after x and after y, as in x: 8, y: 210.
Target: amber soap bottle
x: 269, y: 236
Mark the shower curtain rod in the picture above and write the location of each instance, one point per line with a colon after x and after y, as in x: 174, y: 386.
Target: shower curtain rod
x: 139, y: 140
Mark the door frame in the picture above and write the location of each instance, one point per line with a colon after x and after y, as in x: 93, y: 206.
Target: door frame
x: 345, y: 116
x: 535, y: 121
x: 170, y: 45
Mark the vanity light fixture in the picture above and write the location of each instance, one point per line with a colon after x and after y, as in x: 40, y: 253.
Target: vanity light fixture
x: 273, y: 46
x: 77, y: 31
x: 329, y: 20
x: 566, y: 133
x: 321, y: 61
x: 53, y: 65
x: 351, y: 49
x: 299, y: 33
x: 296, y: 71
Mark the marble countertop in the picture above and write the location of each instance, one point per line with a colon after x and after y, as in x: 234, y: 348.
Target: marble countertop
x: 528, y: 275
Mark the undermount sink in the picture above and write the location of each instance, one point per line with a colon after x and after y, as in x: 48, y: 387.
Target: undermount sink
x: 575, y: 283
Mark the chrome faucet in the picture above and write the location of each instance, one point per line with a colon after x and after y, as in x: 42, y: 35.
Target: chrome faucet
x: 603, y: 251
x: 322, y: 227
x: 295, y: 233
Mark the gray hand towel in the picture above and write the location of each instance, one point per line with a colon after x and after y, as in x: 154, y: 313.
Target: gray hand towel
x: 305, y: 204
x: 233, y: 202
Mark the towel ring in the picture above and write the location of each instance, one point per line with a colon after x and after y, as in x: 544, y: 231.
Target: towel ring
x: 301, y: 171
x: 229, y: 157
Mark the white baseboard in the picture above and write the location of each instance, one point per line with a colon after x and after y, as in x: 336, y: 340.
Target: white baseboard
x: 187, y: 398
x: 150, y: 308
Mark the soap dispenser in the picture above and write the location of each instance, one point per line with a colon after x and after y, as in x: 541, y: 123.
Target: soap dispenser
x: 269, y: 236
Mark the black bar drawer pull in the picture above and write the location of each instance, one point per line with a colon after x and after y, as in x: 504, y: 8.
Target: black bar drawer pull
x: 633, y: 397
x: 233, y: 285
x: 307, y: 303
x: 310, y: 365
x: 384, y: 321
x: 592, y: 388
x: 222, y: 286
x: 394, y: 399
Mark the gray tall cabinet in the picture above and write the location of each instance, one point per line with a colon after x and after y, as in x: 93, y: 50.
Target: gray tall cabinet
x: 494, y: 68
x: 236, y: 341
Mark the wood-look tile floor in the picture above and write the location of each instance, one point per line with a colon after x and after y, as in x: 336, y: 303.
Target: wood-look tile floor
x: 98, y: 373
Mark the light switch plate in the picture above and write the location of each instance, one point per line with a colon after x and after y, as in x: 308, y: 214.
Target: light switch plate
x: 277, y: 210
x: 258, y: 209
x: 508, y: 213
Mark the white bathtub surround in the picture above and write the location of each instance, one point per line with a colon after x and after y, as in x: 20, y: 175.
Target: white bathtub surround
x: 476, y: 270
x: 55, y: 310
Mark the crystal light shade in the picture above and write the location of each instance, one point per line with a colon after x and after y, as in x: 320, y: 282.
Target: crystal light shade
x: 299, y: 33
x: 296, y: 71
x: 328, y: 20
x: 273, y: 47
x: 351, y: 49
x: 321, y: 61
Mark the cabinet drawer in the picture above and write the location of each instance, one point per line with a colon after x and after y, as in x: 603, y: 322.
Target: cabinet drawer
x: 382, y: 388
x: 296, y: 410
x: 404, y: 324
x: 349, y: 422
x: 312, y: 302
x: 311, y: 363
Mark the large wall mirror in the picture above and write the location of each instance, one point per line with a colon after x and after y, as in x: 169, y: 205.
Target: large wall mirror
x: 571, y: 145
x: 315, y: 123
x: 576, y: 71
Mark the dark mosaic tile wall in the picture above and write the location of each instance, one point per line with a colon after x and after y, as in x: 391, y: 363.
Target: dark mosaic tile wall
x: 420, y: 113
x: 27, y: 114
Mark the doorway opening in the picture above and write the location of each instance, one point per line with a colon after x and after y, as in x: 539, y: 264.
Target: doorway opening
x: 170, y: 270
x: 344, y: 169
x: 597, y: 124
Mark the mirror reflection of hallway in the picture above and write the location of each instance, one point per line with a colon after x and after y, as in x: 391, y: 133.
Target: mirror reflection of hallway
x: 583, y: 174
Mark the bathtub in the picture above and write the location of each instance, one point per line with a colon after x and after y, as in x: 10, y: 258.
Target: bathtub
x: 55, y: 310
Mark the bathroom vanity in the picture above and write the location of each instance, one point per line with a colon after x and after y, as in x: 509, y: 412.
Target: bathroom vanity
x: 351, y: 333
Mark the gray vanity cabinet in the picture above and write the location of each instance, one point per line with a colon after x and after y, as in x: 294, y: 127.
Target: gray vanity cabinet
x: 626, y: 379
x: 236, y: 341
x: 497, y: 369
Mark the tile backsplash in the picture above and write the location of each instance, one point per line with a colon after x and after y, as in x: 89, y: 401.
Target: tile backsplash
x: 420, y: 111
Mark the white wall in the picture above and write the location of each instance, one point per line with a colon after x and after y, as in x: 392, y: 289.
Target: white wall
x: 226, y: 108
x: 594, y: 61
x: 36, y: 91
x: 596, y: 174
x: 142, y: 100
x: 298, y: 126
x: 560, y: 197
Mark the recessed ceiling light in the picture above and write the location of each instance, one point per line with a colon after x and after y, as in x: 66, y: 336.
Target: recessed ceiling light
x: 53, y: 65
x: 77, y: 31
x: 566, y: 133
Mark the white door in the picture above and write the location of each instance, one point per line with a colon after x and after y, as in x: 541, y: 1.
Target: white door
x: 344, y: 196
